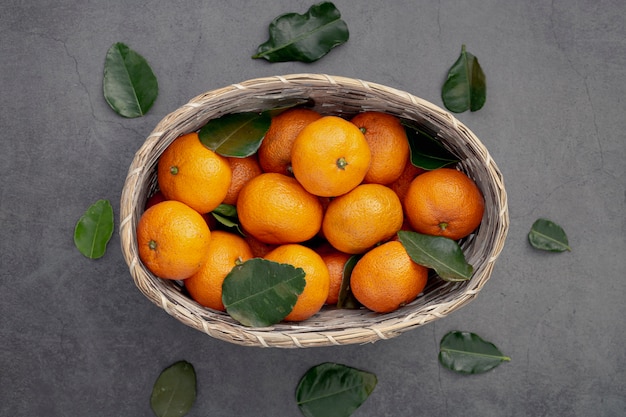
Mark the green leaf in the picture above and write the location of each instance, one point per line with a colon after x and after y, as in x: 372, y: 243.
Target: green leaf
x: 260, y: 292
x: 333, y: 390
x: 226, y: 215
x: 346, y: 299
x: 465, y: 88
x: 442, y: 254
x: 468, y: 353
x: 549, y: 236
x: 226, y: 210
x: 129, y: 84
x: 426, y: 152
x: 237, y: 135
x: 306, y: 38
x: 174, y: 391
x: 94, y: 229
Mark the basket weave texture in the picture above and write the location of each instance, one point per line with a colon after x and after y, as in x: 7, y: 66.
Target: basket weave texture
x: 328, y: 95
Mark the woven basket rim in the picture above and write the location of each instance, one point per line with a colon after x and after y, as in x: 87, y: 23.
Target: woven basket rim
x: 332, y: 95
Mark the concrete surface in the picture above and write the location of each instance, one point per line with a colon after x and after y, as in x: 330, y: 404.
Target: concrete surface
x: 78, y: 339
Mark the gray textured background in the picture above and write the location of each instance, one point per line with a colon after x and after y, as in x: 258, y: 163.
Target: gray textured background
x: 77, y: 337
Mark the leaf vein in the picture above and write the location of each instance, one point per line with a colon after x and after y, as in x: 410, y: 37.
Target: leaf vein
x: 551, y: 239
x: 295, y: 39
x: 334, y: 393
x: 469, y: 353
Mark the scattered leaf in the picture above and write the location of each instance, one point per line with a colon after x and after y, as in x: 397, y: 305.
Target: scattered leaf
x: 468, y: 353
x: 333, y: 390
x: 346, y: 299
x: 94, y: 229
x: 174, y: 391
x: 426, y: 152
x: 465, y: 88
x: 307, y: 37
x: 129, y: 84
x: 442, y: 254
x: 260, y: 292
x: 237, y: 134
x: 549, y: 236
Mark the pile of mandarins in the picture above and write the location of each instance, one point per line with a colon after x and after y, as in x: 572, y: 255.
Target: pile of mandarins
x: 320, y: 190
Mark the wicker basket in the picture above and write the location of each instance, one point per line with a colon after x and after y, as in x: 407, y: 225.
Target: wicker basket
x: 328, y: 95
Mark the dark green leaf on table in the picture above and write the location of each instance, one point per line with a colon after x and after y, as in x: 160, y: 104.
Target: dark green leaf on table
x: 94, y: 229
x: 226, y: 215
x: 174, y: 391
x: 304, y: 37
x: 549, y: 236
x: 426, y: 152
x: 465, y: 88
x: 442, y: 254
x: 236, y: 135
x: 468, y: 353
x: 260, y: 292
x: 333, y: 390
x: 346, y: 299
x: 129, y: 84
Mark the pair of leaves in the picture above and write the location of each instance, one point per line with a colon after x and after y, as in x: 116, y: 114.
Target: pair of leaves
x: 333, y: 390
x: 130, y: 87
x: 94, y: 229
x: 442, y: 254
x: 306, y: 37
x: 465, y: 87
x: 549, y: 236
x: 468, y: 353
x: 174, y: 391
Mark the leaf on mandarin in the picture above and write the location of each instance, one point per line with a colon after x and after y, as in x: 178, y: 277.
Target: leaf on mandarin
x: 260, y: 292
x: 235, y: 135
x: 442, y: 254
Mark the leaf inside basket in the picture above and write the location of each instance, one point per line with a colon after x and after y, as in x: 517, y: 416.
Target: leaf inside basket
x: 260, y: 292
x: 236, y: 135
x: 226, y: 215
x: 426, y: 152
x: 442, y: 254
x: 346, y: 299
